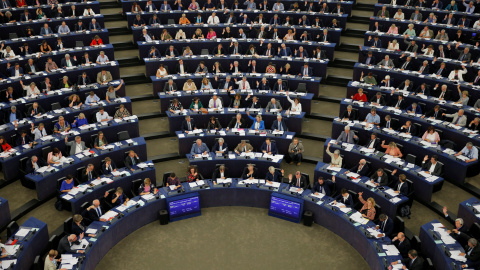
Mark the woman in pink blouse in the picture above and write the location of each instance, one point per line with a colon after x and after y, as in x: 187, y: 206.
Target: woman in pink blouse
x: 368, y: 209
x: 392, y: 149
x: 431, y: 135
x: 211, y: 34
x: 392, y: 30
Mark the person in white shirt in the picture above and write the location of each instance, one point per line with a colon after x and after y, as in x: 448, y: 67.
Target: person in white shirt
x: 32, y: 89
x: 215, y: 103
x: 428, y: 51
x: 243, y: 84
x: 296, y: 105
x: 399, y: 15
x: 102, y: 115
x: 39, y: 132
x: 88, y: 12
x: 63, y: 29
x: 457, y: 74
x: 213, y: 19
x: 278, y: 6
x: 102, y: 58
x: 476, y: 25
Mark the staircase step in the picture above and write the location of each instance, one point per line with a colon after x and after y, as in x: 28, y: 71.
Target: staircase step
x: 364, y: 7
x: 317, y: 116
x: 122, y: 46
x: 342, y: 63
x: 135, y: 79
x: 109, y: 4
x: 359, y: 19
x: 113, y: 17
x: 345, y: 47
x: 130, y: 61
x: 116, y: 31
x: 337, y: 80
x: 142, y: 97
x: 354, y: 33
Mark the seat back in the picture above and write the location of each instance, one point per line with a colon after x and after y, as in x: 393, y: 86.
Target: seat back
x: 416, y: 243
x: 12, y: 35
x: 45, y: 151
x: 135, y: 186
x: 170, y: 21
x: 38, y: 263
x: 123, y: 135
x: 67, y: 226
x: 79, y: 43
x: 301, y: 88
x: 307, y: 178
x: 204, y: 52
x: 56, y: 106
x: 398, y: 225
x: 419, y: 129
x: 11, y: 228
x: 165, y: 177
x: 53, y: 242
x: 411, y: 158
x: 79, y: 173
x: 474, y: 230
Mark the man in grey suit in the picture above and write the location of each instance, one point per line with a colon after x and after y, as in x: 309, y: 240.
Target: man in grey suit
x: 76, y: 146
x: 386, y: 62
x: 199, y: 148
x: 347, y: 136
x: 416, y: 16
x: 464, y: 55
x: 273, y: 104
x: 412, y: 45
x: 432, y: 167
x: 170, y: 86
x: 458, y: 118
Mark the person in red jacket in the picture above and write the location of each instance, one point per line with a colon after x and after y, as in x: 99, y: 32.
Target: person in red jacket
x: 4, y: 144
x: 96, y: 41
x: 360, y: 96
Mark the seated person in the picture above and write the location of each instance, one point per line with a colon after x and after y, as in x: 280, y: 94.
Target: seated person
x: 193, y: 175
x: 347, y: 136
x: 361, y: 168
x: 243, y: 146
x: 172, y: 180
x: 345, y: 198
x: 379, y: 178
x: 274, y: 175
x: 335, y: 158
x: 78, y: 227
x: 199, y: 148
x: 402, y: 243
x: 220, y: 173
x: 401, y: 186
x: 258, y: 123
x: 372, y: 117
x: 414, y: 108
x: 250, y: 172
x: 385, y: 224
x: 378, y: 100
x: 67, y: 184
x: 23, y: 139
x: 188, y: 124
x: 119, y: 198
x: 374, y: 142
x: 237, y: 122
x: 34, y: 164
x: 368, y: 209
x: 92, y: 98
x: 89, y: 174
x: 298, y: 181
x: 432, y: 167
x: 65, y: 244
x: 391, y: 149
x: 431, y: 135
x: 349, y: 114
x: 279, y: 125
x: 74, y: 100
x: 80, y: 120
x: 215, y: 103
x: 220, y: 147
x: 269, y: 147
x: 61, y: 125
x: 408, y: 128
x: 323, y: 187
x: 102, y: 115
x: 100, y: 141
x: 295, y: 151
x: 360, y: 96
x: 147, y: 188
x: 54, y: 157
x: 273, y: 104
x: 109, y: 166
x: 458, y: 118
x: 131, y: 160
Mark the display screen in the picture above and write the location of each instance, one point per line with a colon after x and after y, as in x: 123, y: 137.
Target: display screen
x: 184, y: 206
x: 285, y: 207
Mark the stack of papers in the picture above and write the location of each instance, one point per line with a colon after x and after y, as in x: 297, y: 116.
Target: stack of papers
x: 374, y: 232
x: 455, y: 254
x: 144, y: 165
x: 109, y: 215
x: 353, y: 175
x: 81, y: 246
x: 22, y: 232
x: 5, y: 264
x: 11, y: 250
x: 148, y: 196
x: 357, y: 217
x: 130, y: 204
x: 391, y: 250
x: 273, y: 184
x: 320, y: 195
x: 395, y: 200
x: 332, y: 168
x: 295, y: 189
x: 391, y: 192
x: 224, y: 181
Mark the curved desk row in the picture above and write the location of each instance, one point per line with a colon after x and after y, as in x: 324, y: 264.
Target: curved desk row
x: 57, y: 75
x: 235, y: 163
x: 319, y: 67
x: 47, y: 9
x: 190, y: 30
x: 418, y: 26
x: 34, y: 243
x: 69, y: 115
x: 164, y: 17
x: 439, y: 13
x: 388, y: 204
x: 10, y: 165
x: 430, y: 102
x: 454, y: 170
x: 312, y: 84
x: 196, y: 45
x: 85, y: 36
x: 467, y: 210
x: 423, y: 188
x: 45, y: 184
x: 186, y: 97
x: 232, y: 139
x: 437, y: 250
x: 127, y: 5
x: 57, y: 56
x: 5, y: 216
x: 330, y: 218
x: 20, y: 27
x: 96, y: 190
x: 224, y: 116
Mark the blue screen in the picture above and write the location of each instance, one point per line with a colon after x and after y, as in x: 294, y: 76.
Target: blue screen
x: 184, y: 207
x: 285, y: 208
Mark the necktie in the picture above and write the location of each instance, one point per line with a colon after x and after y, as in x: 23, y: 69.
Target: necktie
x: 436, y: 114
x: 404, y: 65
x: 89, y: 175
x: 280, y: 127
x: 398, y: 104
x: 439, y: 71
x: 215, y: 103
x: 415, y: 18
x: 441, y: 96
x: 133, y: 160
x: 244, y: 86
x: 388, y: 124
x: 468, y: 154
x: 321, y: 189
x: 476, y: 79
x: 189, y: 126
x: 422, y: 68
x: 298, y: 182
x: 237, y: 125
x: 368, y: 61
x: 23, y: 140
x: 268, y: 148
x: 463, y: 56
x: 375, y: 44
x: 99, y: 212
x: 458, y: 120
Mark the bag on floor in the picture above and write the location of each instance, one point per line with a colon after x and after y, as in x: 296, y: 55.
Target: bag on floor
x: 405, y: 211
x: 59, y: 205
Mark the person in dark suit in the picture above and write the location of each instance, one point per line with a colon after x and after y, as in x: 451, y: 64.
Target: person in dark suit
x: 65, y: 244
x: 399, y: 103
x: 78, y: 227
x: 220, y: 146
x: 283, y: 50
x: 220, y: 173
x: 252, y: 102
x: 323, y: 187
x: 306, y: 71
x: 369, y: 58
x: 386, y: 225
x: 33, y: 164
x: 413, y: 262
x: 67, y: 61
x: 408, y: 128
x: 119, y: 198
x: 379, y: 178
x: 269, y: 147
x: 375, y: 42
x: 374, y: 142
x: 298, y: 180
x: 401, y: 186
x: 250, y: 172
x: 345, y: 198
x: 31, y: 67
x: 280, y: 86
x: 188, y: 124
x: 435, y: 113
x: 237, y: 122
x: 414, y: 108
x: 402, y: 243
x: 349, y: 114
x: 89, y: 173
x: 376, y: 27
x: 80, y: 27
x: 35, y: 109
x: 108, y: 166
x: 23, y: 138
x: 361, y: 168
x: 131, y: 160
x: 170, y: 86
x: 432, y: 167
x: 83, y: 79
x: 274, y: 175
x: 378, y: 99
x: 279, y: 124
x: 171, y: 52
x: 472, y: 253
x: 95, y: 211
